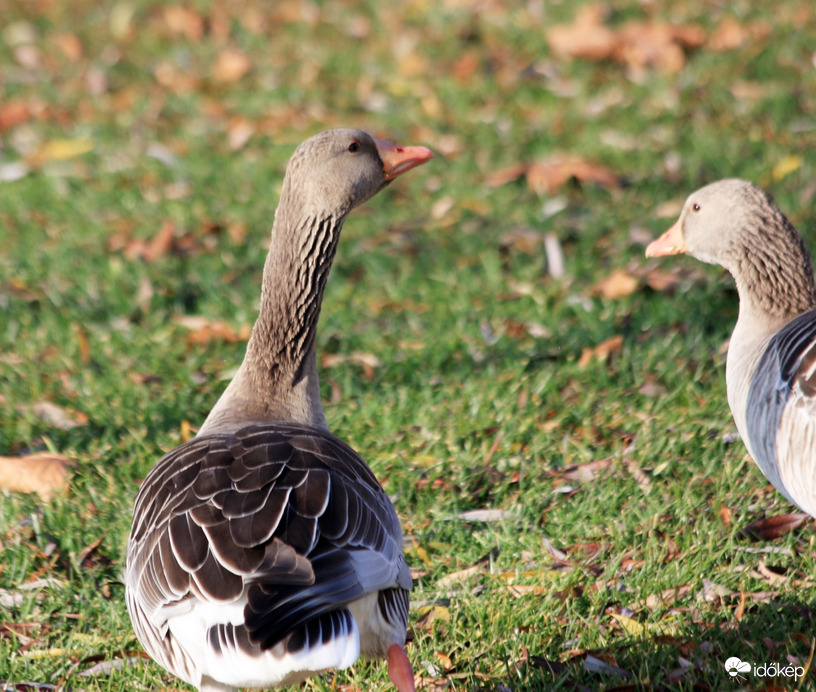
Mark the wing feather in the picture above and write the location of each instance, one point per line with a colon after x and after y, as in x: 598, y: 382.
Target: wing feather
x: 284, y: 516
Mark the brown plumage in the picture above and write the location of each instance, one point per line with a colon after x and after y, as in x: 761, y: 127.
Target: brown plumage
x: 264, y: 550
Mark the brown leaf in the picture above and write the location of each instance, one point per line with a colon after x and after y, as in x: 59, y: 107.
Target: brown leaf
x: 368, y: 361
x: 602, y: 352
x: 184, y: 21
x: 549, y: 175
x: 70, y: 46
x: 459, y: 576
x: 656, y: 45
x: 44, y: 473
x: 618, y: 284
x: 770, y: 528
x: 155, y: 248
x: 586, y: 38
x: 526, y: 239
x: 638, y: 45
x: 13, y: 112
x: 204, y: 330
x: 171, y: 77
x: 56, y: 416
x: 230, y: 65
x: 729, y: 34
x: 508, y: 174
x: 659, y: 279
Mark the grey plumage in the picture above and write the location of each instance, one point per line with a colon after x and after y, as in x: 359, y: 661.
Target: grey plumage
x: 264, y: 550
x: 772, y: 352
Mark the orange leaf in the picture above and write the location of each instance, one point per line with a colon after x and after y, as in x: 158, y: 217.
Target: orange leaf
x: 70, y: 46
x: 184, y: 21
x: 601, y: 352
x: 204, y: 330
x: 444, y: 660
x: 230, y: 65
x: 155, y: 248
x: 44, y: 473
x: 619, y: 284
x: 13, y: 113
x: 549, y: 175
x: 587, y: 38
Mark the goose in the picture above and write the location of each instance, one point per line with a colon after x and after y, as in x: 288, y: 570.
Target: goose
x: 263, y: 550
x: 772, y: 353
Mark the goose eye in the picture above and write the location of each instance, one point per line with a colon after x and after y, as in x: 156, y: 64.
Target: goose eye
x: 695, y: 207
x: 354, y: 147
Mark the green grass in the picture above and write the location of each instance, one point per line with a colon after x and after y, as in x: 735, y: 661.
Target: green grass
x: 480, y: 400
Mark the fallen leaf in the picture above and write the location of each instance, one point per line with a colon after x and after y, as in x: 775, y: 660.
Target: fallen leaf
x: 13, y: 112
x: 665, y: 598
x: 597, y: 665
x: 508, y: 174
x: 230, y: 65
x: 619, y: 284
x: 459, y: 576
x: 44, y: 473
x: 773, y: 577
x: 444, y: 660
x: 548, y: 175
x: 60, y: 150
x: 368, y: 361
x: 586, y: 472
x: 729, y: 34
x: 630, y: 625
x: 770, y: 528
x: 184, y: 21
x: 56, y: 416
x: 586, y: 38
x: 638, y: 474
x: 740, y: 611
x: 430, y: 614
x: 602, y: 352
x: 70, y: 46
x: 204, y: 330
x: 663, y: 280
x: 637, y: 44
x: 486, y: 515
x: 155, y: 248
x: 239, y: 132
x: 527, y: 240
x: 786, y: 166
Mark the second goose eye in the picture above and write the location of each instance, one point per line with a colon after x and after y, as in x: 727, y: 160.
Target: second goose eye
x: 695, y: 207
x: 354, y: 147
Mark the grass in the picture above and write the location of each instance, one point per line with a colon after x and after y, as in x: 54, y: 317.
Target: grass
x: 480, y: 400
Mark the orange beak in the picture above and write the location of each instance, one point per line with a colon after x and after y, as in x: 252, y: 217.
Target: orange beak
x: 397, y: 160
x: 670, y: 243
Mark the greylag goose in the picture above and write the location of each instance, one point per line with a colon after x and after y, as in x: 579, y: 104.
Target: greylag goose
x: 264, y: 550
x: 772, y: 353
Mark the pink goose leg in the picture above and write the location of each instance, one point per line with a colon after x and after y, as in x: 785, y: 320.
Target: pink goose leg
x: 399, y: 669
